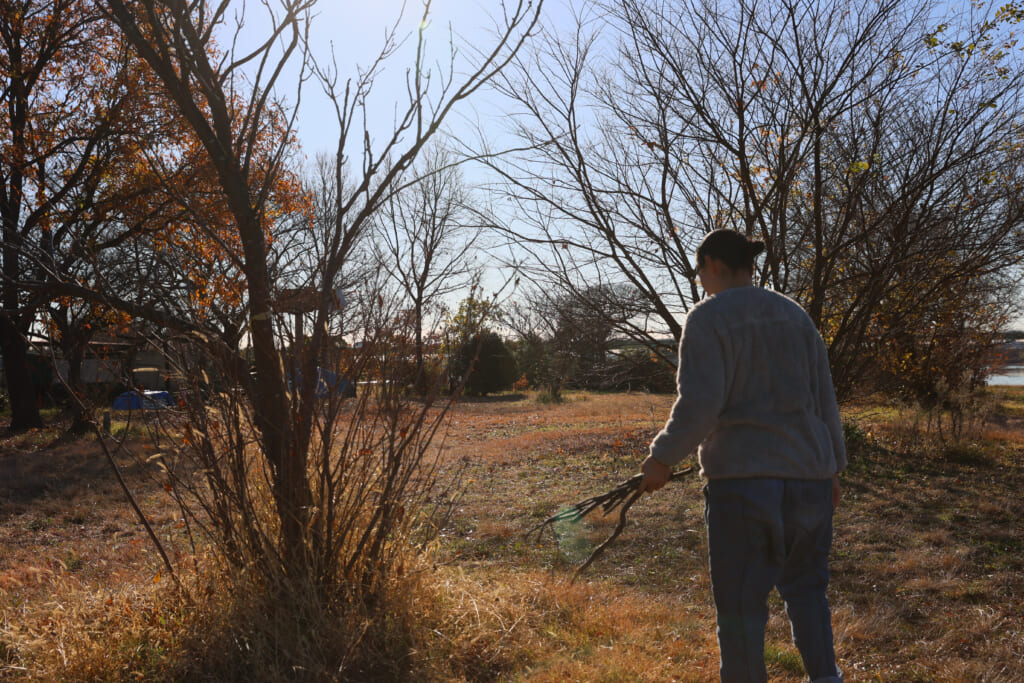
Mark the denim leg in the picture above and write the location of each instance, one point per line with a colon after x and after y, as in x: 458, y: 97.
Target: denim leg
x: 807, y: 518
x: 746, y: 554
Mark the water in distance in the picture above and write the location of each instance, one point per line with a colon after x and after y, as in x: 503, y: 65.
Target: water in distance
x: 1008, y: 376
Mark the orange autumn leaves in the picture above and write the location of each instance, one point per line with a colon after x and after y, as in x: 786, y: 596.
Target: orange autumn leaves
x: 95, y: 155
x: 195, y: 228
x: 200, y: 232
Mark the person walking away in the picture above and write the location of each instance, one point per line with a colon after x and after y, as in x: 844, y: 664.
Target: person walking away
x: 756, y: 396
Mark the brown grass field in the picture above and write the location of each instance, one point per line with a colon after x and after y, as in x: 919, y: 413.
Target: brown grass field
x: 928, y: 561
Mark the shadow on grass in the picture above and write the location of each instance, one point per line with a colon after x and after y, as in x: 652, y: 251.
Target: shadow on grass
x: 48, y: 466
x: 498, y: 398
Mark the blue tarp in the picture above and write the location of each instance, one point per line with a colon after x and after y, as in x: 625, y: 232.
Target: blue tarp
x: 328, y: 383
x: 146, y: 400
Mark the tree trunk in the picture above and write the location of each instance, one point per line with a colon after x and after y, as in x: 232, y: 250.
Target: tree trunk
x: 816, y: 304
x: 421, y: 383
x: 272, y: 413
x: 22, y: 393
x: 74, y: 352
x: 272, y: 408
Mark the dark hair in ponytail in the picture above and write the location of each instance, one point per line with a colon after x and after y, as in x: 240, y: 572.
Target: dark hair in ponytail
x: 731, y: 247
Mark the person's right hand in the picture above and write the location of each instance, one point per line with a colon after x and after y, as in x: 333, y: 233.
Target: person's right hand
x: 656, y: 474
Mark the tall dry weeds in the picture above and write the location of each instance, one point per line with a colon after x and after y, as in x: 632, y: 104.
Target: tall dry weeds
x: 339, y: 609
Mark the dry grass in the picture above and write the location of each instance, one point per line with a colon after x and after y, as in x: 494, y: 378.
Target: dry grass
x: 927, y: 570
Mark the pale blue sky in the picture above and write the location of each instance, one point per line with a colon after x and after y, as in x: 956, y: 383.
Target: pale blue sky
x: 355, y: 32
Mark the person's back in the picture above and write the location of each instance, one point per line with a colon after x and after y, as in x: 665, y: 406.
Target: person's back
x: 771, y: 406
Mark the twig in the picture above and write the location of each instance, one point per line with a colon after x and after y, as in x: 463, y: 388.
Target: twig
x: 101, y: 439
x: 625, y: 494
x: 618, y: 529
x: 135, y: 506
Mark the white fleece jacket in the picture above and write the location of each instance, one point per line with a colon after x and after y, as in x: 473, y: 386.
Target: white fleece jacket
x: 755, y: 392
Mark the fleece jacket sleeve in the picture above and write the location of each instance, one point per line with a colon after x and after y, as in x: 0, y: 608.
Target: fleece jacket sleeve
x: 701, y: 383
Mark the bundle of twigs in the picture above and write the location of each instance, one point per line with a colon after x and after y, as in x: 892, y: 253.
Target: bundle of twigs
x: 625, y: 494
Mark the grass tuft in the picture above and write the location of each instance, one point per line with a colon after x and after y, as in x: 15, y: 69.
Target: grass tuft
x: 785, y: 658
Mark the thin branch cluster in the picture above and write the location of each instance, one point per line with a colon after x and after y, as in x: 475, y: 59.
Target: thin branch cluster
x: 624, y: 494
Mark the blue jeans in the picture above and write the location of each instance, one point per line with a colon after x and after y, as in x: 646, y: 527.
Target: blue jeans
x: 764, y: 534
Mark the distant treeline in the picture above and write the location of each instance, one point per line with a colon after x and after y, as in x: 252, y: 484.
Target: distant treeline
x: 1011, y: 351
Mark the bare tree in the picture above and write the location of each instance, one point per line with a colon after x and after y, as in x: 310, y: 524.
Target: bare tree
x: 315, y: 535
x: 425, y: 238
x: 782, y: 120
x: 566, y: 340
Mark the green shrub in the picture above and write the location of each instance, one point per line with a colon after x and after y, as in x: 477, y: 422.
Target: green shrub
x: 486, y: 363
x: 855, y: 436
